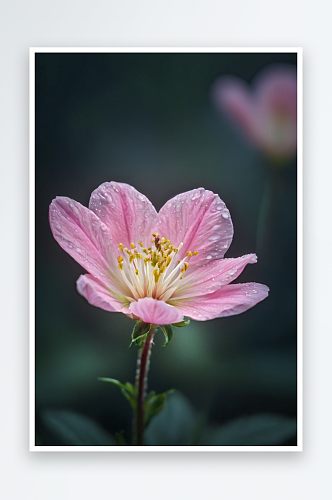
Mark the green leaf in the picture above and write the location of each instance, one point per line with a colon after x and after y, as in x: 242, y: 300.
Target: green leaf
x: 127, y: 389
x: 181, y: 323
x: 140, y: 333
x: 154, y: 403
x: 168, y: 332
x: 174, y: 426
x: 73, y: 429
x: 256, y: 430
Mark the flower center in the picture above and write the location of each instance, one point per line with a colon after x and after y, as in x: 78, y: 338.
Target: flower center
x: 154, y: 271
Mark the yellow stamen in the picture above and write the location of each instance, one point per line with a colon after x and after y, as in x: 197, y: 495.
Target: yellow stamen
x: 163, y: 270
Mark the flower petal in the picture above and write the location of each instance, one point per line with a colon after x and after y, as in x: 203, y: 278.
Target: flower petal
x: 210, y: 278
x: 128, y: 214
x: 229, y: 300
x: 83, y: 235
x: 276, y: 96
x: 200, y: 220
x: 233, y: 96
x: 276, y: 89
x: 155, y: 311
x: 98, y: 295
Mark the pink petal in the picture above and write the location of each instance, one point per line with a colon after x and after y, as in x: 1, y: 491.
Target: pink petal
x: 98, y: 295
x: 276, y: 100
x: 210, y: 278
x: 128, y: 214
x: 200, y: 220
x: 155, y: 311
x: 83, y: 235
x: 229, y: 300
x: 276, y: 89
x: 233, y: 96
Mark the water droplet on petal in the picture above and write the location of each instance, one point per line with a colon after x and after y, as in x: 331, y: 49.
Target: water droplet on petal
x: 219, y: 205
x: 215, y: 237
x: 225, y: 214
x: 209, y: 257
x: 196, y: 195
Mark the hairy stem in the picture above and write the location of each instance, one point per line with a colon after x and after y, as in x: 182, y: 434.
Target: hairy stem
x: 143, y: 362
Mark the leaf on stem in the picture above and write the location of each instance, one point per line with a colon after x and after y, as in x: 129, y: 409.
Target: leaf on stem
x: 127, y: 389
x: 154, y: 403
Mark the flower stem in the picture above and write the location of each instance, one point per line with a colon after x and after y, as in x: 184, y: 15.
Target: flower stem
x: 143, y: 362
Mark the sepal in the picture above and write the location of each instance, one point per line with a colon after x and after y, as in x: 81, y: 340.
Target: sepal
x: 181, y: 323
x: 168, y: 332
x: 140, y: 333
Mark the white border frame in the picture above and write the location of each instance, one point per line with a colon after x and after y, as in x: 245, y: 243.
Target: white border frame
x: 299, y: 52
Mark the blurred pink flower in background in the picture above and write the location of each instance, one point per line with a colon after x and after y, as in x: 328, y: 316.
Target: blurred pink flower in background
x: 266, y: 111
x: 155, y: 266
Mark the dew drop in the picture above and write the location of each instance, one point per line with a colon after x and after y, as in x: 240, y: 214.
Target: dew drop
x: 214, y: 238
x: 196, y: 196
x: 219, y: 205
x: 103, y: 226
x: 225, y: 214
x: 209, y: 257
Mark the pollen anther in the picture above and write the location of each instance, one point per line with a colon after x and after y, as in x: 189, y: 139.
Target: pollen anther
x: 156, y: 278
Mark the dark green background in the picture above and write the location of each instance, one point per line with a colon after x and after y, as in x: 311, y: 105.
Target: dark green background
x: 149, y: 120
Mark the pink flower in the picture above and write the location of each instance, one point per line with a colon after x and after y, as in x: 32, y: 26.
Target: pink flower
x: 266, y: 112
x: 155, y: 266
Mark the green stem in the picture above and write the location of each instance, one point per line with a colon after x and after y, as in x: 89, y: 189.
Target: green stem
x: 143, y: 362
x: 263, y: 217
x: 267, y: 209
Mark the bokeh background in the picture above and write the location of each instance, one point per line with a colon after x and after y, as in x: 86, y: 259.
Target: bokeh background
x: 149, y: 120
